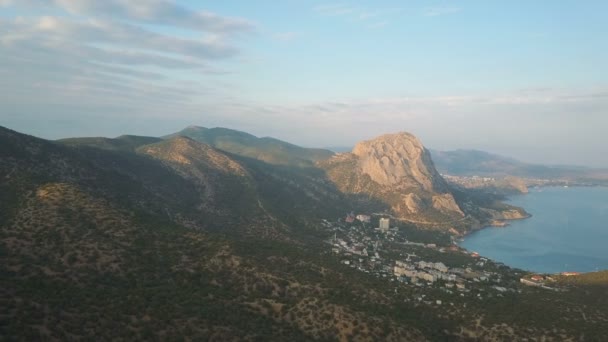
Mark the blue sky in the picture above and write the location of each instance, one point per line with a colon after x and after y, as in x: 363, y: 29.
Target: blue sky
x: 528, y: 79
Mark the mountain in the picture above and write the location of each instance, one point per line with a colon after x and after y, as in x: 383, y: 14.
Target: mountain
x: 179, y: 180
x: 223, y: 185
x: 480, y: 163
x: 267, y: 149
x: 122, y: 143
x: 396, y: 169
x: 166, y: 241
x: 177, y: 239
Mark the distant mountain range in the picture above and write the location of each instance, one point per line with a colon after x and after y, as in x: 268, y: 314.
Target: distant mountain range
x: 480, y: 163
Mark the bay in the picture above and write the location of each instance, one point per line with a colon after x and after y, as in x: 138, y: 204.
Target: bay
x: 568, y: 231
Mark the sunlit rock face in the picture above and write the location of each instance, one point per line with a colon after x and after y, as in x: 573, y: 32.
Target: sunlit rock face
x: 400, y: 171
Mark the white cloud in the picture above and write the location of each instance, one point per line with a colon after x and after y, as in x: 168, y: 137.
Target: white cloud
x: 286, y: 36
x: 378, y: 25
x: 145, y: 11
x: 441, y: 10
x: 96, y: 31
x: 104, y: 56
x: 442, y: 121
x: 379, y: 16
x: 338, y: 10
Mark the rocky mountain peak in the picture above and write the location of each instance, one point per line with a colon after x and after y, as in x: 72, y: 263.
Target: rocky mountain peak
x: 400, y: 160
x: 397, y: 170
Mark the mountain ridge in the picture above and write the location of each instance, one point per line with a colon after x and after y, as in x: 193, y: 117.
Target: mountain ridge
x: 270, y: 150
x: 463, y: 162
x: 398, y: 170
x: 178, y: 239
x: 394, y: 171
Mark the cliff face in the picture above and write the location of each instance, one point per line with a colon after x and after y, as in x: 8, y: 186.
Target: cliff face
x: 399, y: 160
x: 397, y: 169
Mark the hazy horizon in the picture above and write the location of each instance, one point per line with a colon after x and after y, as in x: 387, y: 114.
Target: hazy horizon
x: 519, y: 79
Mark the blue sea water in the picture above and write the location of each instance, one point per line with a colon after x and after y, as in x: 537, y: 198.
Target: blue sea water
x: 567, y: 232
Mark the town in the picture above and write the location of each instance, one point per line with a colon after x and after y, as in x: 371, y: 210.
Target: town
x: 384, y: 250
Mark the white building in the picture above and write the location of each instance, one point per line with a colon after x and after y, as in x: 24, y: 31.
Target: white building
x: 439, y: 266
x: 364, y: 218
x: 426, y: 276
x: 403, y: 264
x: 385, y: 224
x: 424, y: 264
x: 405, y: 272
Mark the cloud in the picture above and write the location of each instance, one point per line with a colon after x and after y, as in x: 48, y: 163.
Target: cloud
x: 441, y: 10
x: 92, y: 32
x: 286, y: 36
x: 443, y: 121
x: 338, y: 10
x: 121, y: 58
x: 378, y: 25
x: 359, y: 14
x: 160, y: 12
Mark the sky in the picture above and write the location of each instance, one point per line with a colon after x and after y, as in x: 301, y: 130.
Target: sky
x: 526, y: 79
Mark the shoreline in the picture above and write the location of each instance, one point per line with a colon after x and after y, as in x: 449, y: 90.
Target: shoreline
x: 470, y: 252
x: 483, y: 227
x: 459, y: 239
x: 528, y: 215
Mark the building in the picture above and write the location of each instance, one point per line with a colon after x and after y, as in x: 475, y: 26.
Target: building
x: 439, y: 266
x: 384, y: 224
x: 405, y: 272
x: 403, y: 264
x: 457, y: 270
x: 350, y: 218
x: 399, y: 271
x: 364, y: 218
x: 529, y: 282
x: 537, y: 278
x: 426, y: 276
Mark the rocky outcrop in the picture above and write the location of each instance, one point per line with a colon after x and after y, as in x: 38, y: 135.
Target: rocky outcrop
x: 516, y: 184
x: 446, y: 203
x: 413, y: 203
x: 397, y: 169
x: 399, y: 160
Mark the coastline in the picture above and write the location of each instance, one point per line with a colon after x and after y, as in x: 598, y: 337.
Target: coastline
x: 486, y: 226
x: 574, y: 263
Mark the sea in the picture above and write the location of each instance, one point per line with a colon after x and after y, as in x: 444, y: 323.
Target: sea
x: 568, y: 232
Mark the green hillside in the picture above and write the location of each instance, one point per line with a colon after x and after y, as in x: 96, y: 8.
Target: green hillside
x: 270, y: 150
x: 122, y: 143
x: 178, y: 240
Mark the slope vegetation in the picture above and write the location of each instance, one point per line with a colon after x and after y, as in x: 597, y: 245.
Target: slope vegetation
x: 269, y: 150
x: 180, y: 240
x: 122, y: 143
